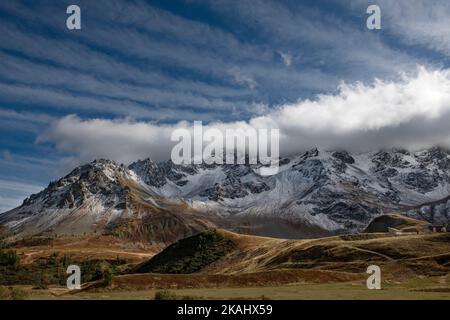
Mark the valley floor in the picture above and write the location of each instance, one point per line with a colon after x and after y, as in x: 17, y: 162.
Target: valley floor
x: 416, y: 289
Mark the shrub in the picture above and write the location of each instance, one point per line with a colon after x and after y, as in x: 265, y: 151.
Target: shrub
x: 107, y: 277
x: 18, y: 294
x: 4, y: 293
x: 9, y: 258
x: 12, y: 293
x: 165, y: 295
x: 43, y: 281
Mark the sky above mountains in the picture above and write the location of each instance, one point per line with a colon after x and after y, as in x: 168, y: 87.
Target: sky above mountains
x: 119, y: 85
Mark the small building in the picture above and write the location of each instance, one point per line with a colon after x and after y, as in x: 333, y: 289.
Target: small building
x: 412, y: 230
x: 397, y: 232
x: 437, y: 228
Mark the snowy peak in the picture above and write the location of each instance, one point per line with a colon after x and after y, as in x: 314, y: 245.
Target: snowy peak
x: 157, y: 175
x: 98, y: 178
x: 332, y: 190
x: 150, y: 172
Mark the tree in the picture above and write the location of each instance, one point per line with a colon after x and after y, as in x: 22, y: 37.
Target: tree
x: 108, y: 277
x: 9, y: 258
x: 43, y: 281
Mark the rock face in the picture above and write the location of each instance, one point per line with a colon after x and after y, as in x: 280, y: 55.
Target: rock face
x: 100, y: 197
x: 96, y: 188
x: 157, y: 175
x: 335, y: 191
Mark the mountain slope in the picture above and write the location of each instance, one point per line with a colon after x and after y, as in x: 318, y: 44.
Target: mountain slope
x: 425, y: 254
x: 105, y: 198
x: 402, y: 223
x: 333, y: 190
x: 315, y: 193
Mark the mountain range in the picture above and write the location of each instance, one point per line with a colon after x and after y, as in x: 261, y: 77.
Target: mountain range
x: 315, y: 193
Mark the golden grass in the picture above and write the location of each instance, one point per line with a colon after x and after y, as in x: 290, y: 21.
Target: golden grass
x: 413, y: 289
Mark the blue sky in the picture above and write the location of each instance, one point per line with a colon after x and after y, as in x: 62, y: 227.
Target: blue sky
x: 162, y: 62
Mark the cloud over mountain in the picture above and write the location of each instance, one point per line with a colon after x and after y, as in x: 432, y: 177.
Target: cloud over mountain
x: 411, y: 112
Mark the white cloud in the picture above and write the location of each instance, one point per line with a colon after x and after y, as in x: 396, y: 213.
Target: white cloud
x: 412, y: 112
x: 361, y: 107
x: 417, y: 22
x: 242, y: 78
x: 121, y: 140
x: 286, y: 57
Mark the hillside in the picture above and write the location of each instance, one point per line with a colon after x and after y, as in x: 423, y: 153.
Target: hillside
x: 189, y: 255
x: 427, y: 254
x: 223, y: 264
x: 399, y: 222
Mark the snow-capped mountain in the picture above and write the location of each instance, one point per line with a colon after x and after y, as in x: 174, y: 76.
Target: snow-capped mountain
x: 330, y: 190
x: 334, y: 190
x: 102, y: 197
x: 94, y: 188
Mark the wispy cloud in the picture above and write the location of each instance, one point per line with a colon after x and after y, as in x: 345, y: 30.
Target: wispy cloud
x: 410, y: 112
x: 149, y: 43
x: 12, y: 193
x: 286, y: 57
x: 415, y: 22
x: 19, y: 186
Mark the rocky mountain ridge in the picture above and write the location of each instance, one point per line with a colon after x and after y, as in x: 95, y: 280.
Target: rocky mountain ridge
x: 333, y: 190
